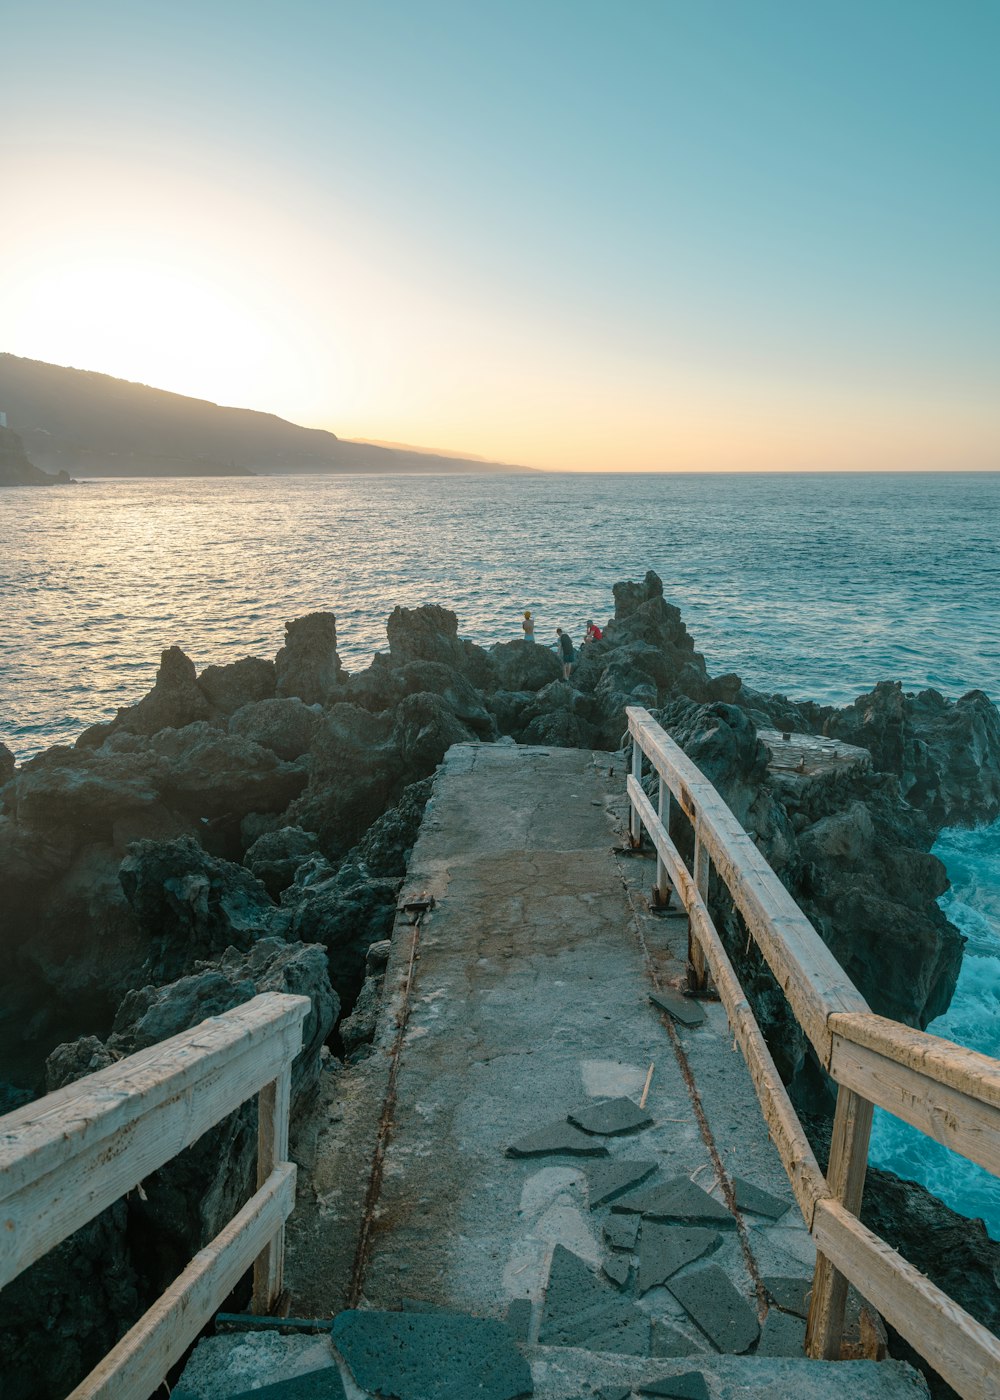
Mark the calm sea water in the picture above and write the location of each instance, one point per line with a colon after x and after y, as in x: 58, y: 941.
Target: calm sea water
x: 817, y: 586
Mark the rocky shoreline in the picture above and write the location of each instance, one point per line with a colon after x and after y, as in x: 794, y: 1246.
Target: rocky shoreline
x: 246, y: 829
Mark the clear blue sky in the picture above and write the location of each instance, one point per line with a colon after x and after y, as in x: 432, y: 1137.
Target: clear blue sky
x: 712, y: 234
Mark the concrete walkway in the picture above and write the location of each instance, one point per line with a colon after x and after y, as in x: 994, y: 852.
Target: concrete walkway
x: 519, y: 997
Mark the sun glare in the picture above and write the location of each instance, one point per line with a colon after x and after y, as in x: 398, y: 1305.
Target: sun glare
x: 142, y: 317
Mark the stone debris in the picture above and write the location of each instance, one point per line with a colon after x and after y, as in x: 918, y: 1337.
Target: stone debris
x: 782, y: 1335
x: 677, y: 1199
x: 690, y: 1385
x: 613, y: 1392
x: 611, y: 1117
x: 667, y: 1248
x: 756, y: 1199
x: 617, y: 1268
x: 557, y: 1137
x: 608, y: 1180
x: 669, y: 1340
x: 722, y: 1313
x: 324, y: 1384
x: 432, y: 1356
x: 519, y: 1318
x: 792, y: 1295
x: 681, y: 1008
x: 622, y: 1231
x: 581, y: 1310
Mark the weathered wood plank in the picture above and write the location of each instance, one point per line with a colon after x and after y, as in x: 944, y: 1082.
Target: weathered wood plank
x: 92, y: 1169
x: 272, y: 1152
x: 852, y: 1126
x: 41, y: 1135
x: 967, y: 1071
x: 957, y: 1120
x: 702, y: 871
x: 634, y: 825
x: 140, y: 1361
x: 964, y: 1352
x: 807, y: 1180
x: 811, y: 978
x: 663, y: 816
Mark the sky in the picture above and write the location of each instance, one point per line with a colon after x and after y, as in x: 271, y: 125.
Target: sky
x: 641, y: 235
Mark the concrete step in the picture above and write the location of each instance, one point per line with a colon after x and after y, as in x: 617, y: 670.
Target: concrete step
x: 269, y: 1366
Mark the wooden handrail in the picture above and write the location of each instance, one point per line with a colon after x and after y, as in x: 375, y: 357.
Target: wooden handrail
x: 805, y: 969
x: 67, y: 1156
x: 948, y: 1092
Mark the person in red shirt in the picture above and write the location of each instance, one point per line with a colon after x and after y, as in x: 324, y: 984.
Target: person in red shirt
x: 594, y: 633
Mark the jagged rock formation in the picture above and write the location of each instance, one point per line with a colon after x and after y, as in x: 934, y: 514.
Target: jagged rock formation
x: 248, y: 828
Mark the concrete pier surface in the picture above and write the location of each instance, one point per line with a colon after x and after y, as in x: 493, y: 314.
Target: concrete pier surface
x: 443, y: 1175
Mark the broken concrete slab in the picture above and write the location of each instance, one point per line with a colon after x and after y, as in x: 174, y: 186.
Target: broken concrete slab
x: 555, y: 1138
x: 667, y: 1248
x: 782, y: 1335
x: 669, y: 1340
x: 722, y: 1313
x: 324, y: 1384
x: 608, y: 1180
x: 610, y: 1118
x: 617, y: 1267
x: 679, y: 1007
x: 690, y: 1385
x: 580, y: 1309
x: 756, y: 1199
x: 622, y: 1231
x: 677, y: 1199
x: 791, y: 1295
x: 519, y: 1318
x: 431, y: 1356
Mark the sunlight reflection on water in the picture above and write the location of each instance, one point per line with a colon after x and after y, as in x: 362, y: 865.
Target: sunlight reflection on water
x: 817, y: 586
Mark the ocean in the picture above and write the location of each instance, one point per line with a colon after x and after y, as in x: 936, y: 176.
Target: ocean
x: 813, y: 585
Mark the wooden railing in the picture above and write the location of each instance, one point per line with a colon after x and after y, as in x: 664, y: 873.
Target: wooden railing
x: 67, y: 1156
x: 949, y: 1093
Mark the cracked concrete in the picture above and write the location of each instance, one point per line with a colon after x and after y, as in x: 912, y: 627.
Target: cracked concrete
x: 523, y: 994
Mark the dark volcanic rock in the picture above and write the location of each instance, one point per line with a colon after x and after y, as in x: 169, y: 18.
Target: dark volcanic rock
x: 74, y: 1060
x: 946, y: 753
x: 227, y: 688
x: 285, y: 725
x: 274, y: 857
x: 175, y: 700
x: 354, y: 775
x: 191, y: 905
x: 524, y: 666
x: 7, y: 764
x: 210, y: 774
x: 346, y: 913
x: 385, y: 848
x: 308, y: 665
x: 430, y: 633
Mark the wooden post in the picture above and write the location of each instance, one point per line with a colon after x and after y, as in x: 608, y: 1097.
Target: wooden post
x: 852, y: 1125
x: 272, y: 1151
x: 634, y: 824
x: 697, y: 971
x: 661, y: 894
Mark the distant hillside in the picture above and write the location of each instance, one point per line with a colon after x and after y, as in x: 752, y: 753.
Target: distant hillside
x: 17, y: 470
x: 92, y: 425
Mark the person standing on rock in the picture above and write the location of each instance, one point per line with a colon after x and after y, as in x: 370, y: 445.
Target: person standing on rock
x: 529, y: 627
x: 566, y: 652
